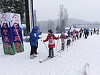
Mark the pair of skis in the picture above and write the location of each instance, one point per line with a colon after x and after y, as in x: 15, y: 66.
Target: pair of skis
x: 44, y: 60
x: 60, y: 51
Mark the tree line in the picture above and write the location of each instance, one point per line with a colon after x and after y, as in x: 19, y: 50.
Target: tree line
x: 59, y: 27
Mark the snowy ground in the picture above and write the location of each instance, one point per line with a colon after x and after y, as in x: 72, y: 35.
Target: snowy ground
x: 71, y: 62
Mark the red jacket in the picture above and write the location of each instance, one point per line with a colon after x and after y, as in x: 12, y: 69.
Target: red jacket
x: 63, y: 37
x: 50, y: 38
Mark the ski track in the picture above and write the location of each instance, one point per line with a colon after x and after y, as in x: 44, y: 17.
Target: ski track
x: 71, y: 62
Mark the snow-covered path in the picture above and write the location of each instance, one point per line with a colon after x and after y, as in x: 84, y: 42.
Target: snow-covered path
x: 71, y: 62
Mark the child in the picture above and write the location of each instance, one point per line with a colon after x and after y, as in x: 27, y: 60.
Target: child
x: 77, y: 34
x: 80, y: 32
x: 51, y: 44
x: 69, y: 37
x: 97, y: 31
x: 73, y: 35
x: 91, y: 31
x: 63, y: 40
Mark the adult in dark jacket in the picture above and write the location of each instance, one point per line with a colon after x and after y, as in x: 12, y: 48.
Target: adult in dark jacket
x: 86, y: 32
x: 80, y: 32
x: 69, y: 37
x: 34, y: 36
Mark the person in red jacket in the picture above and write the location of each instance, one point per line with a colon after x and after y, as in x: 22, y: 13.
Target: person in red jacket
x: 51, y: 43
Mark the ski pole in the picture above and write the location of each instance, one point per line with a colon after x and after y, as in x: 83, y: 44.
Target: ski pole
x: 59, y: 49
x: 67, y: 48
x: 59, y: 45
x: 45, y: 46
x: 40, y: 36
x: 67, y: 44
x: 56, y: 45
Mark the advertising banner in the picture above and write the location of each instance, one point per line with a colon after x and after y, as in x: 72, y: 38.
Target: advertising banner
x: 11, y: 33
x: 16, y: 31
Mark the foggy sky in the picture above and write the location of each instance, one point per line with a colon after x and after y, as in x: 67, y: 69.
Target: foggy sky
x: 88, y: 10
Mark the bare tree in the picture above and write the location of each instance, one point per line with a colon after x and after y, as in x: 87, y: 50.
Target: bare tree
x: 51, y: 25
x: 63, y: 18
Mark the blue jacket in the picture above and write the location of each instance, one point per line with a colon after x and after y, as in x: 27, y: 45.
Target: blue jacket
x: 69, y: 33
x: 86, y: 30
x: 34, y: 36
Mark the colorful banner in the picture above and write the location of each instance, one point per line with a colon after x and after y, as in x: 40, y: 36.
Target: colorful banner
x: 17, y: 33
x: 11, y: 33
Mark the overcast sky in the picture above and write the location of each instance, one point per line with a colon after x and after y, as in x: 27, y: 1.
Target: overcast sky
x: 88, y: 10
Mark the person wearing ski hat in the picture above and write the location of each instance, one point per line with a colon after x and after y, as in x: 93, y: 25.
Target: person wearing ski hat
x: 38, y: 33
x: 34, y: 36
x: 63, y: 40
x: 51, y: 43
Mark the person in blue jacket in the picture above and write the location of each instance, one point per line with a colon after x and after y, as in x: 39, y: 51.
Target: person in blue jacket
x: 69, y: 37
x: 86, y: 32
x: 34, y: 36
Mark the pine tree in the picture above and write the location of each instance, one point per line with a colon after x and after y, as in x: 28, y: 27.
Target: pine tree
x: 13, y: 6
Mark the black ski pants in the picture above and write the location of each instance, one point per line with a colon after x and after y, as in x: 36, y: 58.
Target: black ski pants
x: 34, y: 49
x: 63, y: 46
x: 80, y: 35
x: 68, y: 42
x: 51, y: 52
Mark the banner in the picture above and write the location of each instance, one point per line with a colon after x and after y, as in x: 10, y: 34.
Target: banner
x: 16, y: 30
x: 11, y: 33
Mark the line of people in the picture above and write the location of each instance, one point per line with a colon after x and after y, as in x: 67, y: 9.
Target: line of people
x: 71, y: 36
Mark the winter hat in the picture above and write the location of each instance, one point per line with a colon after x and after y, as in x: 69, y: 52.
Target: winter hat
x: 50, y: 31
x: 36, y: 28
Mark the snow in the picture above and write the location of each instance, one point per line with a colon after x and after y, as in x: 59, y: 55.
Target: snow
x: 84, y: 54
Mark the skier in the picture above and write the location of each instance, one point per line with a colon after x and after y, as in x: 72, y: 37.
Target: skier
x: 34, y: 36
x: 69, y: 37
x: 94, y: 31
x: 80, y: 31
x: 73, y: 35
x: 97, y: 31
x: 77, y: 34
x: 51, y: 44
x: 63, y: 40
x: 91, y: 31
x: 86, y: 32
